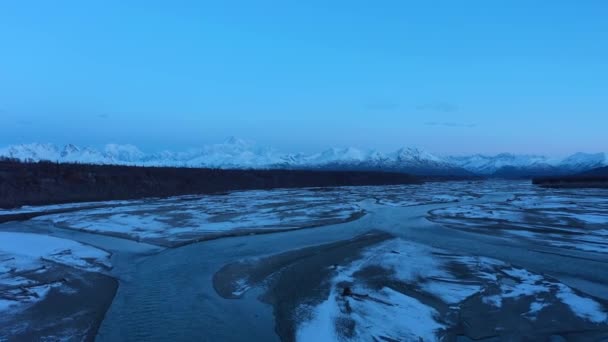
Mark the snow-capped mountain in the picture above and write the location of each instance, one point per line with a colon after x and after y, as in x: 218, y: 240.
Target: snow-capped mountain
x: 33, y: 152
x: 487, y: 165
x: 123, y: 153
x: 410, y: 160
x: 412, y: 156
x: 511, y: 165
x: 237, y: 153
x: 111, y: 154
x: 233, y: 153
x: 585, y: 161
x: 349, y: 156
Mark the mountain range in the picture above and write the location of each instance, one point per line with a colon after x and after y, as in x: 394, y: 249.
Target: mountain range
x: 237, y: 153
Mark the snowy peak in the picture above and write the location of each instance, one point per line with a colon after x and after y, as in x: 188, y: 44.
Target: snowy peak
x: 35, y: 152
x: 402, y: 159
x: 337, y: 155
x: 70, y: 153
x: 124, y: 153
x: 69, y: 149
x: 586, y: 160
x: 238, y: 142
x: 416, y: 155
x: 486, y: 165
x: 238, y: 153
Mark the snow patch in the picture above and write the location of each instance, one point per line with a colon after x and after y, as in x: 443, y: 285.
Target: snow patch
x: 62, y: 251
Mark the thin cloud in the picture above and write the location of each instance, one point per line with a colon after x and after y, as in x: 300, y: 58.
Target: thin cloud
x: 438, y: 107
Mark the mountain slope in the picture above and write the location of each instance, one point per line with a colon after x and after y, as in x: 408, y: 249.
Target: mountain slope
x: 487, y: 165
x: 237, y: 153
x: 585, y: 161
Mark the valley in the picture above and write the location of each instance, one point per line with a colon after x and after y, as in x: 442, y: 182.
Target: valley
x: 454, y: 260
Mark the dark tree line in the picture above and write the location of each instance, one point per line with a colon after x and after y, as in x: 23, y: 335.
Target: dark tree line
x: 596, y: 178
x: 37, y: 183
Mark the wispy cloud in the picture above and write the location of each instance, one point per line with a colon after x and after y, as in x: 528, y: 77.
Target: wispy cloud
x: 445, y: 107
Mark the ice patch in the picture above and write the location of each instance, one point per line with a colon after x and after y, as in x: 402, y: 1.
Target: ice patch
x: 409, y: 261
x: 450, y: 292
x: 23, y: 255
x: 182, y: 219
x: 585, y: 308
x: 373, y: 318
x: 241, y: 286
x: 527, y: 284
x: 17, y: 299
x: 535, y: 309
x: 322, y: 327
x: 494, y: 300
x: 62, y: 251
x: 531, y: 285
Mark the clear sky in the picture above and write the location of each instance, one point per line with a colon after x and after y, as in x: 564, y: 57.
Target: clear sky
x: 448, y: 76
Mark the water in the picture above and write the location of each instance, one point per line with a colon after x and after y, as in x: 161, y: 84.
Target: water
x: 168, y: 295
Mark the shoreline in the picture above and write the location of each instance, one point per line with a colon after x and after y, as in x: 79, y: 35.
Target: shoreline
x: 253, y: 280
x: 74, y: 307
x: 298, y: 279
x: 275, y: 272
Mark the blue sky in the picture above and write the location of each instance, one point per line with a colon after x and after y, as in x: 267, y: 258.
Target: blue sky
x: 448, y: 76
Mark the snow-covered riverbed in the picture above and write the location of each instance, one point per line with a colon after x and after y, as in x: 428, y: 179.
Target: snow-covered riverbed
x: 497, y: 257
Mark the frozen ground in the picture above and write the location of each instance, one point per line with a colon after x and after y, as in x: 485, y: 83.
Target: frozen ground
x: 24, y: 257
x: 324, y: 283
x: 34, y: 268
x: 393, y: 195
x: 397, y: 290
x: 179, y: 220
x: 400, y: 290
x: 53, y: 207
x: 574, y: 219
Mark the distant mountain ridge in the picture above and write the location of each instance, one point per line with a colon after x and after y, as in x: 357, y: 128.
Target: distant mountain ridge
x: 237, y: 153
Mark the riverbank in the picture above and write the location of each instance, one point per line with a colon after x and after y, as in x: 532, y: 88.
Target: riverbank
x: 52, y: 288
x: 210, y: 290
x: 377, y: 287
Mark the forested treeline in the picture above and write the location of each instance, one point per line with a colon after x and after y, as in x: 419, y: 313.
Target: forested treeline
x: 596, y: 178
x: 39, y: 183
